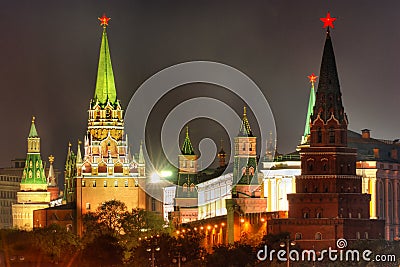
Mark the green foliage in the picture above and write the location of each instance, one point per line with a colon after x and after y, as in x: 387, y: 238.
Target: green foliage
x: 113, y: 219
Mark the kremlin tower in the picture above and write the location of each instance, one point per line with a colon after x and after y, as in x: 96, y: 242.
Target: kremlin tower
x: 328, y: 204
x: 245, y: 178
x: 186, y: 192
x: 33, y: 194
x: 106, y: 169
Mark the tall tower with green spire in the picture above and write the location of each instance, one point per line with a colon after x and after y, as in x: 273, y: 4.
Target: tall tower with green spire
x: 311, y: 102
x: 245, y: 158
x: 187, y: 175
x: 33, y: 194
x: 186, y: 192
x: 105, y: 171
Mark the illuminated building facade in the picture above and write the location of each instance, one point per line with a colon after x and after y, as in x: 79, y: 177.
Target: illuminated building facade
x: 10, y: 179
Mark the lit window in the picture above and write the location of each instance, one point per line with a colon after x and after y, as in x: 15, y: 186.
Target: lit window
x: 94, y: 183
x: 105, y: 183
x: 126, y: 183
x: 115, y: 183
x: 88, y: 206
x: 83, y: 183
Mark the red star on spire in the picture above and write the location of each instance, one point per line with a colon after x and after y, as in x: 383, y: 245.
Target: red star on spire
x: 104, y: 20
x: 312, y: 78
x: 328, y: 21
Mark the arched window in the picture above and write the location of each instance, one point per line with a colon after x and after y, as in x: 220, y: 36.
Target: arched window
x: 310, y: 166
x: 185, y: 187
x: 306, y: 214
x: 298, y: 236
x: 331, y: 135
x: 318, y: 236
x: 251, y: 170
x: 324, y: 167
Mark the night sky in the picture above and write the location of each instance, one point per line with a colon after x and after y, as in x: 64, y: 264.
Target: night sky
x: 50, y: 53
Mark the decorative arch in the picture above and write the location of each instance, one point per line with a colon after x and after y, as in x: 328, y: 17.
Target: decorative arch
x: 102, y: 167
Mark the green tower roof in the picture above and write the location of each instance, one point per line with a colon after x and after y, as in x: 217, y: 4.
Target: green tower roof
x: 33, y: 132
x: 105, y: 84
x: 245, y: 129
x: 187, y: 148
x: 311, y: 103
x: 34, y: 171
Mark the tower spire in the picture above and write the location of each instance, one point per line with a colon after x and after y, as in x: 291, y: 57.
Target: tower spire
x: 105, y: 84
x: 311, y: 103
x: 33, y: 132
x: 78, y: 153
x: 329, y: 97
x: 33, y: 173
x: 51, y: 177
x: 141, y: 156
x: 245, y: 129
x: 187, y: 148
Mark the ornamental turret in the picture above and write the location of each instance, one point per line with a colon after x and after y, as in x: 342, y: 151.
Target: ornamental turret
x: 245, y: 158
x: 33, y: 177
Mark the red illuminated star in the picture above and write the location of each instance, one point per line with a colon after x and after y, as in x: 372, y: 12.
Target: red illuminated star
x: 104, y: 20
x: 328, y: 21
x: 312, y: 78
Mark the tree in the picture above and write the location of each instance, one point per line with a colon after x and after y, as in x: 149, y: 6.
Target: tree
x: 187, y: 246
x: 113, y: 219
x: 103, y: 251
x: 55, y: 242
x: 236, y: 255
